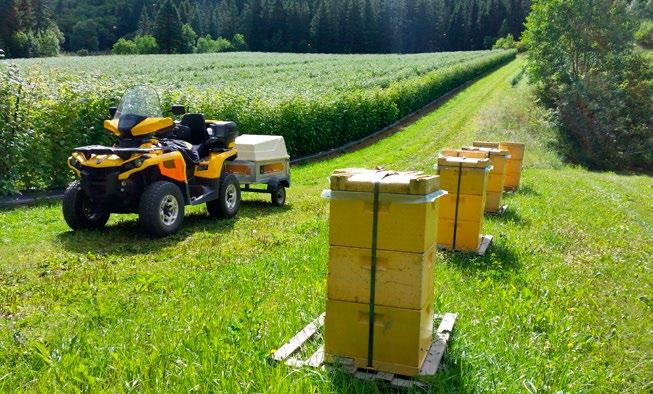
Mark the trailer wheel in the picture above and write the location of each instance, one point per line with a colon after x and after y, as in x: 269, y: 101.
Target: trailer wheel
x: 278, y: 196
x: 78, y: 211
x: 227, y: 204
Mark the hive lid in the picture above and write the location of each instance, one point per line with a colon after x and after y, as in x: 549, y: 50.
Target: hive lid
x: 464, y: 153
x: 486, y: 144
x: 362, y: 180
x: 490, y: 151
x: 512, y: 144
x: 467, y: 162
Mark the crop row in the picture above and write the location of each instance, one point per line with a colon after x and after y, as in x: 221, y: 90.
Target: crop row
x: 44, y: 112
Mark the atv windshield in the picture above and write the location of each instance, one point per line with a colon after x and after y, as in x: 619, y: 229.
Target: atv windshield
x: 140, y: 101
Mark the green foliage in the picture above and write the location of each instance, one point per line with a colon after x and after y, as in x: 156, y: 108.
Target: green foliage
x: 207, y: 45
x: 644, y: 35
x: 168, y: 28
x: 36, y: 44
x: 581, y: 56
x: 269, y: 94
x: 188, y: 39
x: 85, y: 36
x: 124, y: 47
x: 239, y: 43
x: 507, y: 42
x: 146, y: 45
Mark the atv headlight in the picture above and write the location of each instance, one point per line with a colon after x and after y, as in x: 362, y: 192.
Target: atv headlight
x: 75, y: 163
x: 130, y: 165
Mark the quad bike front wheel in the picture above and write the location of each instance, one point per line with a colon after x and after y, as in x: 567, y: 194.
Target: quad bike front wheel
x: 161, y: 210
x: 79, y: 212
x: 227, y: 204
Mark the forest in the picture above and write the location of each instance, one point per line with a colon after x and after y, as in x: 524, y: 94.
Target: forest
x: 32, y: 28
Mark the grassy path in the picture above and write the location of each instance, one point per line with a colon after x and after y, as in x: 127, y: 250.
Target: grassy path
x: 562, y: 302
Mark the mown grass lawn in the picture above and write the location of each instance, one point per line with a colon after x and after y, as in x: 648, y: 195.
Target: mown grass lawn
x: 563, y: 300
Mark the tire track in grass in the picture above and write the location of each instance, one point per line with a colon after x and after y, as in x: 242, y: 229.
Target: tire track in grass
x: 449, y: 125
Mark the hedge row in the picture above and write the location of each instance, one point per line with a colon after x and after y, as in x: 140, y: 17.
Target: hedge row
x: 41, y: 121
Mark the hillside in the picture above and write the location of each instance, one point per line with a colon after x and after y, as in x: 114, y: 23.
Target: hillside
x: 561, y: 302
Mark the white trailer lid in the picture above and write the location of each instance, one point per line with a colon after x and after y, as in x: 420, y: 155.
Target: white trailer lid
x: 261, y: 147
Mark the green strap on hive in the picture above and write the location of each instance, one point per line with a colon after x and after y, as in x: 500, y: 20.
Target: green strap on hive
x: 455, y: 217
x: 375, y: 225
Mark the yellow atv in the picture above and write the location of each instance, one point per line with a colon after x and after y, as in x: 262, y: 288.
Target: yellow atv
x: 157, y: 168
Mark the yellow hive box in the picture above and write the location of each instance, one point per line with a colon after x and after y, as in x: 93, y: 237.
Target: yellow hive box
x: 516, y: 149
x: 514, y: 164
x: 402, y: 337
x: 493, y: 201
x: 403, y: 227
x: 470, y: 207
x: 473, y: 178
x: 468, y: 234
x: 403, y: 280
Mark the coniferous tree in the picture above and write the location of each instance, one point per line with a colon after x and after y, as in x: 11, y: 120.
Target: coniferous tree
x: 144, y: 22
x: 321, y: 28
x: 168, y: 28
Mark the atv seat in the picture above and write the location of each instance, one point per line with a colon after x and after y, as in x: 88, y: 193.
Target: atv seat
x: 196, y: 133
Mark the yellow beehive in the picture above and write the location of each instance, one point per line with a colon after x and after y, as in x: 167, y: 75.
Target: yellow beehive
x: 514, y: 164
x: 513, y: 172
x: 499, y: 160
x: 402, y: 336
x: 407, y: 220
x: 403, y: 280
x: 461, y: 211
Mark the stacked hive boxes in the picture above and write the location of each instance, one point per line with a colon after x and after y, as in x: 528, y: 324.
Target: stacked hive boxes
x: 461, y: 211
x: 399, y: 321
x: 496, y: 179
x: 514, y: 165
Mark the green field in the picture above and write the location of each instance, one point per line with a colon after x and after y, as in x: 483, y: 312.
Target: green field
x: 562, y: 301
x: 269, y: 76
x: 317, y: 102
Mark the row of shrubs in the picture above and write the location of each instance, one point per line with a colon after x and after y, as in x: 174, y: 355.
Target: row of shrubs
x: 41, y: 123
x: 146, y: 44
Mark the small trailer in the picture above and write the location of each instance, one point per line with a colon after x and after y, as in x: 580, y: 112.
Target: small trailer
x: 262, y: 161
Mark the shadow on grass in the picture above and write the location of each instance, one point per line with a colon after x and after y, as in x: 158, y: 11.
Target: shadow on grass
x: 524, y: 190
x: 126, y: 238
x: 500, y: 260
x: 510, y: 215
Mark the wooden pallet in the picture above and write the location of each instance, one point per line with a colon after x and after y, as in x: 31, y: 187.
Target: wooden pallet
x: 501, y: 211
x: 486, y: 240
x: 316, y: 360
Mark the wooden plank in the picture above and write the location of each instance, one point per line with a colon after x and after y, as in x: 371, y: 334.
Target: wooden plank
x: 407, y: 383
x: 298, y: 340
x: 295, y: 362
x: 316, y: 358
x: 439, y: 345
x: 485, y: 243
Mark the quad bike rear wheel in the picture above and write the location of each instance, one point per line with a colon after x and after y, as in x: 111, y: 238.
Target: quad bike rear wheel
x: 227, y: 204
x: 79, y: 212
x: 161, y: 210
